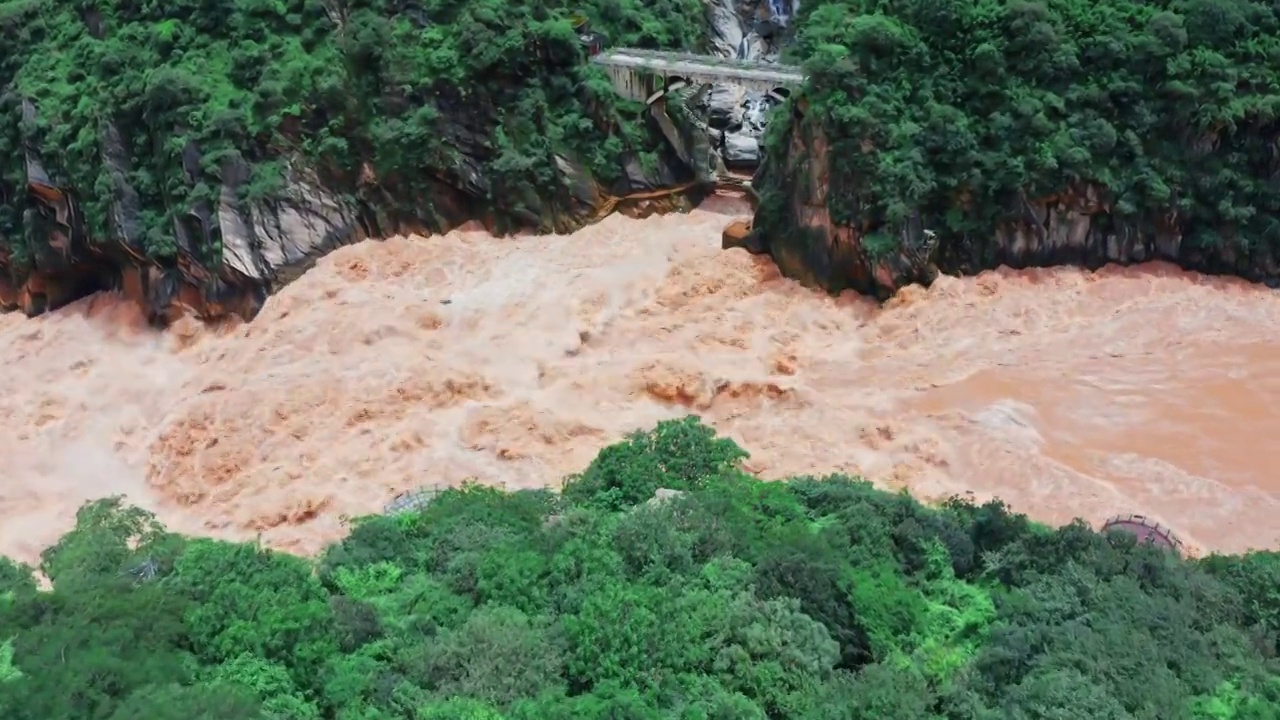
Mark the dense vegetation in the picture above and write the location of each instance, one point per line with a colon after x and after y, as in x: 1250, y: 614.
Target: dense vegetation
x: 478, y: 94
x: 740, y: 599
x: 958, y: 109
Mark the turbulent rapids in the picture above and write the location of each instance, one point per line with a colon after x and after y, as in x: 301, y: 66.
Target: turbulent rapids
x: 418, y: 361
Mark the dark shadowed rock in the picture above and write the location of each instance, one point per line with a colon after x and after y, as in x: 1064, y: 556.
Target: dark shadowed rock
x: 126, y: 206
x: 741, y: 150
x: 639, y: 177
x: 723, y: 105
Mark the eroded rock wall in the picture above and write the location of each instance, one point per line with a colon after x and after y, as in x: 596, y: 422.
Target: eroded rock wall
x: 267, y: 243
x: 232, y: 251
x: 1077, y: 226
x: 209, y: 220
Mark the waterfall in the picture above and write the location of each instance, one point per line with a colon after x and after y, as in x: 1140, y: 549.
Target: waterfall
x: 779, y: 12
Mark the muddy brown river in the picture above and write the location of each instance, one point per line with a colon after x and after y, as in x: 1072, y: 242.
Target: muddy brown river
x: 420, y: 361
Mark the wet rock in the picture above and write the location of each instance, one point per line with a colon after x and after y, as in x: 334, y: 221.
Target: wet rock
x: 725, y: 27
x: 8, y: 294
x: 737, y: 233
x: 642, y: 176
x: 582, y: 191
x: 736, y: 27
x: 741, y: 150
x: 723, y: 105
x: 274, y: 240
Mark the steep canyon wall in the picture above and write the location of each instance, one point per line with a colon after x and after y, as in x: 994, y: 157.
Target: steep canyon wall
x: 1078, y: 226
x: 964, y: 136
x: 200, y: 158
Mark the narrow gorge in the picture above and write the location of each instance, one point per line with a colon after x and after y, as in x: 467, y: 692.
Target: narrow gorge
x: 639, y: 360
x: 349, y: 131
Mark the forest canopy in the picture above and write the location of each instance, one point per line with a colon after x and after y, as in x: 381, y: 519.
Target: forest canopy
x: 960, y: 109
x: 732, y: 599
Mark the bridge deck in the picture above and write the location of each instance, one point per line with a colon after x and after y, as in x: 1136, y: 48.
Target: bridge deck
x: 675, y: 63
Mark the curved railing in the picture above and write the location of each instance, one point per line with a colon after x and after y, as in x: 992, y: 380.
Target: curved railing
x: 413, y: 499
x: 1146, y: 530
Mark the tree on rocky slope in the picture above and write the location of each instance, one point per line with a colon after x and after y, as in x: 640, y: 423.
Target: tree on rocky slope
x: 1145, y: 124
x: 150, y: 124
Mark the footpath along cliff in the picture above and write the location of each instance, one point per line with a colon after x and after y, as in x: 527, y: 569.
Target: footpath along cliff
x: 199, y: 157
x: 958, y: 136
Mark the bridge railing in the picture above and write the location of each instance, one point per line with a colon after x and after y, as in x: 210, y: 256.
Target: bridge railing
x: 709, y: 60
x: 1146, y: 530
x: 700, y: 66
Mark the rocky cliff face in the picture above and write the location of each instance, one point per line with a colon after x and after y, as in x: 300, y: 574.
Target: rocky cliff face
x: 1076, y: 226
x: 747, y: 30
x: 180, y: 219
x: 233, y: 252
x: 367, y: 135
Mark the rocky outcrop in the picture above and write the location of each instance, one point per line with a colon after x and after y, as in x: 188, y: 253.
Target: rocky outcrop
x: 262, y: 244
x: 208, y: 220
x: 234, y: 249
x: 748, y: 30
x: 793, y: 223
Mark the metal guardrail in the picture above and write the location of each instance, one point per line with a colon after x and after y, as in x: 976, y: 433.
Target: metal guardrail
x: 1146, y: 530
x: 415, y: 499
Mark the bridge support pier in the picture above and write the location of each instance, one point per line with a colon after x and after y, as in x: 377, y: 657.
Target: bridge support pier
x: 628, y: 83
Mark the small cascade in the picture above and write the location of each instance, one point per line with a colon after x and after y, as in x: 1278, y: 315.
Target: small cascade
x: 746, y: 30
x: 779, y: 12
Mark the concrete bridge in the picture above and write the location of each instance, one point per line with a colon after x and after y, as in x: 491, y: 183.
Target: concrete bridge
x: 646, y: 75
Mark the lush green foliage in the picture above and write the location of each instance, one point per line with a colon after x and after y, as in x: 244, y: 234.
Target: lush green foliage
x: 479, y: 93
x: 738, y: 599
x: 959, y: 108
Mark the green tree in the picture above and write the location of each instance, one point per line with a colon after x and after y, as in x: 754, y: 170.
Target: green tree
x: 676, y: 455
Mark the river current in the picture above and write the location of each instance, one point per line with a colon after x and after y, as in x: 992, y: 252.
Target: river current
x: 428, y: 361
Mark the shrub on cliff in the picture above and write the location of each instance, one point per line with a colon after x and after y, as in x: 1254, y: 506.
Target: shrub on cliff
x: 479, y: 94
x: 961, y: 110
x: 813, y: 599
